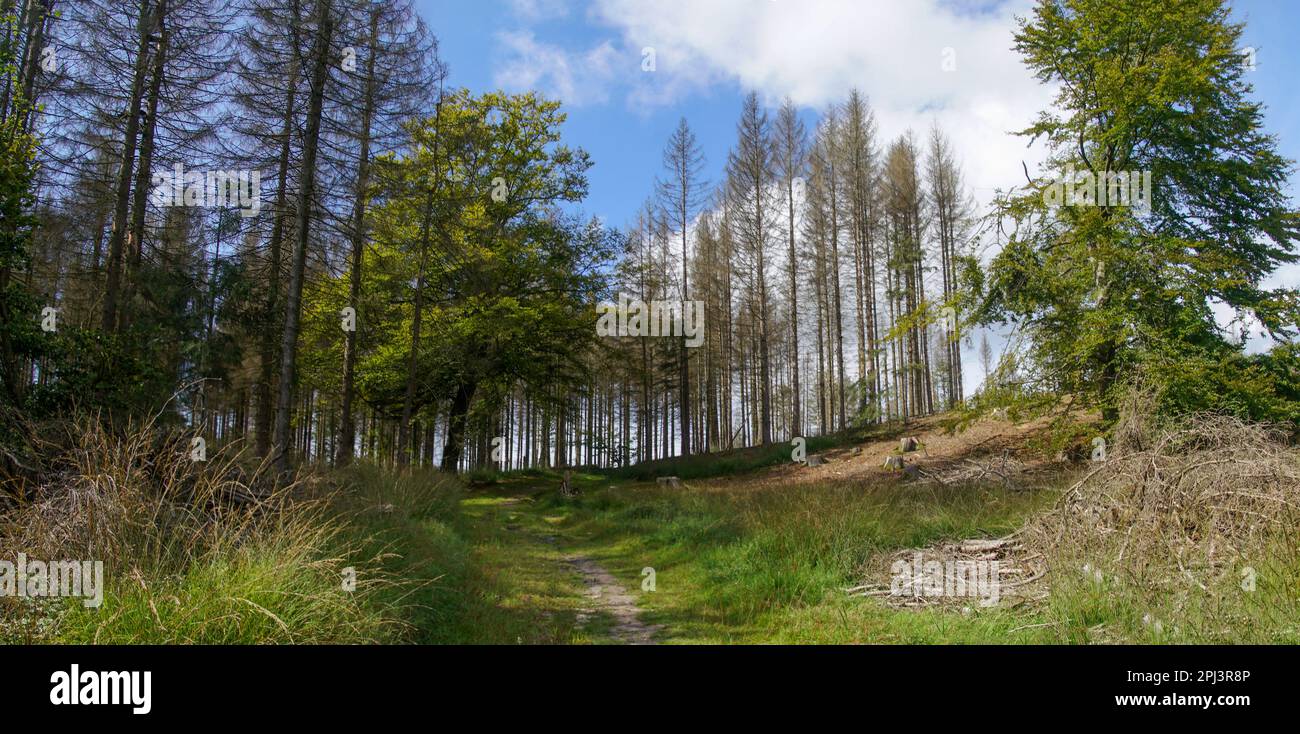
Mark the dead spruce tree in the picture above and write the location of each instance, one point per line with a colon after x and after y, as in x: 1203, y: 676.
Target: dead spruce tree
x: 680, y: 194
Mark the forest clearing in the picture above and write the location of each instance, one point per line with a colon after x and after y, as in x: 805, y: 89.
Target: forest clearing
x: 774, y: 556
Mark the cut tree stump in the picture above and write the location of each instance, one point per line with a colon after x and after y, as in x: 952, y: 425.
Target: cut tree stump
x: 894, y: 463
x: 673, y: 482
x: 908, y: 444
x: 816, y: 460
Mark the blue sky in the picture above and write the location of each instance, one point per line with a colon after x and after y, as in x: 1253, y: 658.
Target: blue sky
x: 709, y: 53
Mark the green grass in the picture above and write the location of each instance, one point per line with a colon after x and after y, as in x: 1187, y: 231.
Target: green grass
x: 279, y: 577
x: 468, y: 572
x: 1134, y: 605
x: 527, y: 592
x: 735, y: 561
x: 431, y: 565
x: 770, y: 565
x: 266, y: 592
x: 725, y: 463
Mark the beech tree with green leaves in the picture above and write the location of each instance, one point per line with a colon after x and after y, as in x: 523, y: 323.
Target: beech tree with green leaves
x: 503, y: 281
x: 1108, y: 291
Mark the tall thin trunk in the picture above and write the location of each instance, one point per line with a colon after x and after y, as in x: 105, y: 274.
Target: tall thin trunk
x: 796, y: 425
x: 839, y: 299
x: 145, y: 172
x: 764, y: 354
x: 6, y: 8
x: 412, y: 363
x: 35, y: 49
x: 306, y: 193
x: 268, y: 355
x: 684, y: 360
x: 347, y: 436
x: 123, y: 193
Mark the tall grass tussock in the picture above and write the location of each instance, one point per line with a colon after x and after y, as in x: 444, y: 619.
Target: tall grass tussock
x: 211, y: 552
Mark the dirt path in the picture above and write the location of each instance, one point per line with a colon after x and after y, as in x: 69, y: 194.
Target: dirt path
x: 612, y: 597
x: 601, y: 607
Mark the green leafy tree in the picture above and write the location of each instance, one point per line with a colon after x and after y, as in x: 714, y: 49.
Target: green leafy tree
x: 471, y: 240
x: 1107, y: 287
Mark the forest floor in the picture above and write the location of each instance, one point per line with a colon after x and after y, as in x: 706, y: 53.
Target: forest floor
x: 746, y: 546
x: 763, y: 556
x: 750, y: 547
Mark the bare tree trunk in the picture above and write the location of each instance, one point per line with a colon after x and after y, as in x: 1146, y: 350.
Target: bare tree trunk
x: 35, y: 48
x: 839, y: 299
x: 145, y: 172
x: 796, y: 425
x: 123, y: 194
x: 347, y: 434
x: 268, y: 354
x: 306, y: 193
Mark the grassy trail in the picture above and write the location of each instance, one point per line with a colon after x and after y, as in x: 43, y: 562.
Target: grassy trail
x: 540, y: 589
x: 751, y: 549
x: 727, y: 567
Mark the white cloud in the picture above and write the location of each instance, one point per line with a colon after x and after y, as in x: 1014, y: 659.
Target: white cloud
x: 535, y: 10
x: 573, y: 78
x: 814, y: 51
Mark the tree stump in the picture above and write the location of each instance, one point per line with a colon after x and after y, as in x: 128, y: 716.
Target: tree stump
x: 566, y: 485
x: 673, y: 482
x: 894, y: 463
x: 816, y: 460
x: 908, y: 444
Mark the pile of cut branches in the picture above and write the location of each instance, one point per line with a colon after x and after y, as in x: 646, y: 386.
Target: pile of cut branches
x: 1184, y: 504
